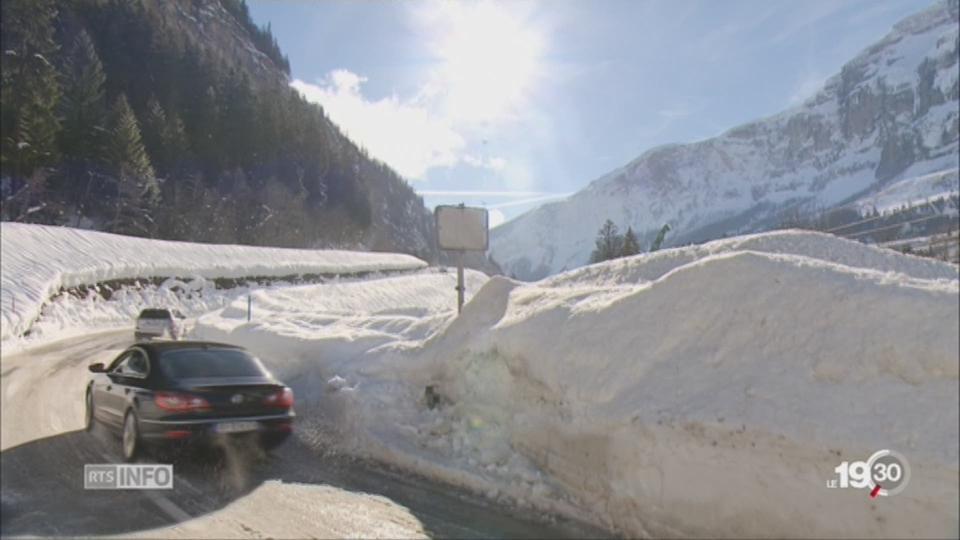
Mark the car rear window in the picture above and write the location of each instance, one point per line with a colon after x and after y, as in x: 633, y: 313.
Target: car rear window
x: 200, y: 363
x: 155, y: 314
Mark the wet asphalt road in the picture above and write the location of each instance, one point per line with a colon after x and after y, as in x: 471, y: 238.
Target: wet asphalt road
x: 44, y: 450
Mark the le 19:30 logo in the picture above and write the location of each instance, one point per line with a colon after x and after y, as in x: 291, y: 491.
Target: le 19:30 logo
x: 885, y: 473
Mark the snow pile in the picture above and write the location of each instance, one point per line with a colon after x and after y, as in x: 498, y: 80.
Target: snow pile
x: 321, y: 338
x: 38, y: 260
x: 718, y: 399
x: 814, y: 245
x: 341, y: 320
x: 709, y: 390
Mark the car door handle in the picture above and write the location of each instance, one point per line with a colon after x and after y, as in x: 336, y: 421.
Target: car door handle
x: 109, y: 387
x: 126, y: 390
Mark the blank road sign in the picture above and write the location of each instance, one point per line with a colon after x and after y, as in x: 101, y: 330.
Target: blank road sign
x: 462, y: 228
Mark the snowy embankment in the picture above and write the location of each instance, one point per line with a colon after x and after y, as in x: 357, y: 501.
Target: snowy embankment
x: 709, y: 390
x: 913, y: 191
x: 38, y: 261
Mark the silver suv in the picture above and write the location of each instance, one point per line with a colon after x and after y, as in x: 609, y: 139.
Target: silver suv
x: 154, y: 322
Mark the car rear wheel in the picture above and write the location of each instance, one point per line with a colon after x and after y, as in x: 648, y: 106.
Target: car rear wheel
x: 88, y: 417
x: 131, y: 437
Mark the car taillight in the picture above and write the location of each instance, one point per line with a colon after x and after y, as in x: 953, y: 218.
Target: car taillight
x: 176, y: 402
x: 282, y: 398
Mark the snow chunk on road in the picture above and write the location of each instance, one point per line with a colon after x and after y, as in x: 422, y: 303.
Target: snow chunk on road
x: 278, y: 509
x: 38, y: 260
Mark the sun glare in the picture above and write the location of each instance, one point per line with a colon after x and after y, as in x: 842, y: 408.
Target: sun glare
x: 490, y: 59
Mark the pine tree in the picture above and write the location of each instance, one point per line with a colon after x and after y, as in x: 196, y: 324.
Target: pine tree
x: 84, y: 119
x: 164, y: 137
x: 238, y: 120
x: 124, y: 143
x: 178, y: 152
x: 630, y: 244
x: 660, y: 236
x: 137, y: 190
x: 154, y: 132
x: 29, y: 89
x: 609, y: 243
x: 83, y: 107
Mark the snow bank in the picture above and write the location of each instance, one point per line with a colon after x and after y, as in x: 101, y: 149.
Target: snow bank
x: 340, y: 320
x: 718, y: 399
x: 813, y: 245
x: 68, y: 315
x: 38, y: 260
x: 708, y: 390
x: 321, y: 338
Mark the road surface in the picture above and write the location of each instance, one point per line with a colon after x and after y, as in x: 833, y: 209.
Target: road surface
x: 297, y: 491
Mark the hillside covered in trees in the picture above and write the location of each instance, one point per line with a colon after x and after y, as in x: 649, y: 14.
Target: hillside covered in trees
x: 175, y: 119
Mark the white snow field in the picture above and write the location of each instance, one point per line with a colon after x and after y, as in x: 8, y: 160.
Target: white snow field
x: 708, y: 391
x: 39, y: 260
x: 913, y: 191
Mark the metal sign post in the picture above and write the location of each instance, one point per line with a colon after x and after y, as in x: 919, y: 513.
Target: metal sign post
x: 461, y: 228
x: 460, y: 286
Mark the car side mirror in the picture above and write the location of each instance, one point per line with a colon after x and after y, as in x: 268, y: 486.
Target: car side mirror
x: 96, y: 368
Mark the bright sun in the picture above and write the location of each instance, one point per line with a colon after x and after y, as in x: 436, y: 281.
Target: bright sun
x: 490, y: 59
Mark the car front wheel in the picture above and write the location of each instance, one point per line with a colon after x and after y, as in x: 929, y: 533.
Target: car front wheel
x: 131, y: 437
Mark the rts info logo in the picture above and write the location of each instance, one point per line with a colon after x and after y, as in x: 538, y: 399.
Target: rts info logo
x: 885, y: 473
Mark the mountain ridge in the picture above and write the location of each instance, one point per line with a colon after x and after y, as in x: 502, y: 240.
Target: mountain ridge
x: 890, y: 113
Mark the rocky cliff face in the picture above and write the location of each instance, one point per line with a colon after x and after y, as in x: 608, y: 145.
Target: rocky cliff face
x: 891, y: 113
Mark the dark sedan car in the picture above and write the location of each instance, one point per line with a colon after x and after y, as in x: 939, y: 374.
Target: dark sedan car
x: 185, y: 392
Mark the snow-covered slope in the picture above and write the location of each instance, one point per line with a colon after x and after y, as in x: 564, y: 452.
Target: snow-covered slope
x: 38, y: 260
x: 891, y: 114
x: 708, y: 390
x: 344, y: 319
x: 813, y: 245
x: 913, y: 191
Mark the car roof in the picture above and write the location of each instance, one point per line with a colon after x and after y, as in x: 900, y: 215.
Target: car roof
x: 155, y: 311
x: 155, y: 347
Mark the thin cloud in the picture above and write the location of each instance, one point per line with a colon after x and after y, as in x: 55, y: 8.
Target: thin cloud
x: 467, y: 193
x: 810, y: 14
x: 408, y: 137
x: 485, y: 70
x: 806, y: 88
x: 494, y: 164
x: 675, y: 112
x: 532, y: 200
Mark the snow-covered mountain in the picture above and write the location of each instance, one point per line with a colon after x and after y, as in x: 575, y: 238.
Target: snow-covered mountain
x: 890, y: 114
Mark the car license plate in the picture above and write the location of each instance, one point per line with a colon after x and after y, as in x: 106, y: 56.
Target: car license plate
x: 236, y: 427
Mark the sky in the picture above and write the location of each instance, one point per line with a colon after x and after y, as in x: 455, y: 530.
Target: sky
x: 509, y: 104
